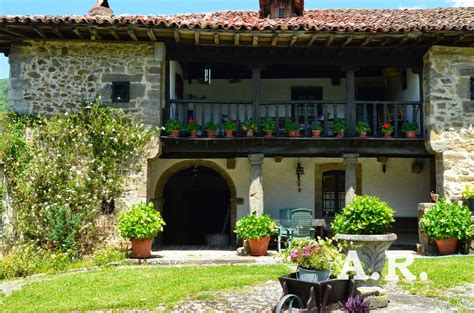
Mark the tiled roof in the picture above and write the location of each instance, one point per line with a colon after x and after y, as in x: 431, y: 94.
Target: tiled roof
x: 342, y: 20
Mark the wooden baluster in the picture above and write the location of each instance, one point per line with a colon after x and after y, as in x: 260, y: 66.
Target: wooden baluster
x: 395, y: 117
x: 277, y: 116
x: 306, y: 128
x: 229, y: 111
x: 419, y: 116
x: 364, y: 113
x: 287, y: 112
x: 375, y: 126
x: 246, y: 115
x: 326, y: 122
x: 211, y: 112
x: 334, y: 108
x: 237, y: 116
x: 266, y: 111
x: 385, y: 113
x: 203, y: 114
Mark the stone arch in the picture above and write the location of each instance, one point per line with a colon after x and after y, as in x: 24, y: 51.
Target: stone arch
x: 180, y: 166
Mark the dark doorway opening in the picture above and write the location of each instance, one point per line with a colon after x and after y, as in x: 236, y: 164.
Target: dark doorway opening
x: 196, y: 204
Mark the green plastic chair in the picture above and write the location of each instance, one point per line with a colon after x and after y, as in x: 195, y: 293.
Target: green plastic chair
x: 295, y: 223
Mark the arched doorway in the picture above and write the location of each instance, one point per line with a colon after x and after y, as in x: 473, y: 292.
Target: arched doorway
x: 196, y: 201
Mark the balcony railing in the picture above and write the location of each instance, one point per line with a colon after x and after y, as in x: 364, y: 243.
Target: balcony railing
x: 375, y: 113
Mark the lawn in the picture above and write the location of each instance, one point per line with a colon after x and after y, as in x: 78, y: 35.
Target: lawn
x: 133, y: 288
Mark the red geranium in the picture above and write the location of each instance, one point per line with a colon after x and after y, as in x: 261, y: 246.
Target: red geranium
x: 193, y: 124
x: 387, y: 128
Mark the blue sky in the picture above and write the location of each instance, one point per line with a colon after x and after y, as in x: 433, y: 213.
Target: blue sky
x: 80, y: 7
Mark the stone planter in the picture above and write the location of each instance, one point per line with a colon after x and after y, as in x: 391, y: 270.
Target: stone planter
x: 371, y: 251
x: 313, y: 276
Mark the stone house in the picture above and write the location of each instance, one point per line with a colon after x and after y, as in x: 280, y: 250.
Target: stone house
x: 284, y: 62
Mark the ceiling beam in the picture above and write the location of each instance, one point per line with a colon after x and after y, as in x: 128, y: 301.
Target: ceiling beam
x: 114, y: 34
x: 366, y: 41
x: 275, y: 40
x: 237, y: 39
x: 131, y: 33
x: 293, y: 40
x: 197, y: 36
x: 7, y: 30
x: 401, y: 42
x: 177, y: 39
x: 216, y: 39
x: 58, y: 32
x: 76, y: 31
x: 39, y: 32
x: 347, y: 41
x: 94, y: 33
x: 255, y: 39
x: 329, y: 41
x: 151, y: 34
x: 312, y: 40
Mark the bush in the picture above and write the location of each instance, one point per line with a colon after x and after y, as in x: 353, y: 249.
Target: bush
x: 255, y: 227
x: 142, y: 221
x: 106, y: 256
x: 447, y: 220
x: 365, y: 215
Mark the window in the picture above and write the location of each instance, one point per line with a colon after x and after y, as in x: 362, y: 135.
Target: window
x: 333, y: 192
x: 120, y: 91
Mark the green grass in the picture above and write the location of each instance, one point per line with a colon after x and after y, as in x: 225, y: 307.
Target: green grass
x: 3, y: 94
x: 135, y: 288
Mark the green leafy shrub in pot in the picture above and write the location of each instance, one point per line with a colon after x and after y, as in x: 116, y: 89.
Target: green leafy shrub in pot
x: 255, y: 227
x: 362, y: 127
x: 173, y: 125
x: 339, y: 125
x: 409, y: 127
x: 268, y: 125
x: 142, y: 221
x: 291, y: 125
x: 365, y: 215
x: 447, y: 220
x: 210, y: 126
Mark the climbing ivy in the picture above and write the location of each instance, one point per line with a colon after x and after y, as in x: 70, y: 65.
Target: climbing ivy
x: 59, y: 172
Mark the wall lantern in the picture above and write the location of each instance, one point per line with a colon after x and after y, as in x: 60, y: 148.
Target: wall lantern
x: 299, y: 173
x: 417, y: 167
x: 207, y: 75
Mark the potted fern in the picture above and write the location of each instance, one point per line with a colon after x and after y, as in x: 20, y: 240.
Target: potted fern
x: 339, y: 126
x: 140, y: 224
x: 410, y: 129
x: 257, y: 230
x: 173, y: 128
x: 316, y: 129
x: 447, y: 223
x: 193, y: 127
x: 362, y: 129
x: 268, y: 126
x: 229, y: 127
x: 210, y: 128
x: 292, y: 128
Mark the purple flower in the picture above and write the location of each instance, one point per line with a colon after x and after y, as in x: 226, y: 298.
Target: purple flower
x: 294, y: 255
x: 307, y: 254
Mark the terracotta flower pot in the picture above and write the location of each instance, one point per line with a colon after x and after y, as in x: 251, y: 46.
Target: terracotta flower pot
x: 229, y: 133
x: 193, y: 134
x: 363, y: 135
x: 446, y: 246
x: 269, y: 133
x: 292, y: 133
x: 387, y: 134
x: 174, y: 133
x: 141, y: 248
x: 211, y: 134
x: 340, y: 135
x: 410, y: 134
x: 316, y: 133
x: 259, y: 247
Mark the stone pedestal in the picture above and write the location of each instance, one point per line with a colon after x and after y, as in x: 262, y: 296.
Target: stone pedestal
x: 351, y: 178
x: 256, y: 183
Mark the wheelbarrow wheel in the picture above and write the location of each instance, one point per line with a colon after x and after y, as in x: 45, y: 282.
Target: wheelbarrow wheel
x: 287, y: 303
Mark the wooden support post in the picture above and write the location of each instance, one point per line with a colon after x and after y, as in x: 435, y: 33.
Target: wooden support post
x: 350, y: 102
x: 39, y: 32
x: 114, y: 34
x: 256, y: 74
x: 131, y: 33
x: 151, y: 34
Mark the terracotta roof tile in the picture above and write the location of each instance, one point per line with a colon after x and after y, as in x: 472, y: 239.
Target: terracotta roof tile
x: 342, y: 20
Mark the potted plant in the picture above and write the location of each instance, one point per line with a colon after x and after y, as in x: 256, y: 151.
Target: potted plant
x: 468, y: 195
x: 387, y: 130
x: 355, y: 305
x: 193, y: 126
x: 173, y: 127
x: 447, y: 223
x: 210, y: 128
x: 257, y: 230
x: 140, y: 224
x: 317, y: 260
x: 229, y: 127
x: 292, y: 128
x: 250, y: 127
x: 339, y: 126
x: 362, y: 129
x: 268, y: 126
x: 363, y: 224
x: 316, y: 129
x: 410, y: 129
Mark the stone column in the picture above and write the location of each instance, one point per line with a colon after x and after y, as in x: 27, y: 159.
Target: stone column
x: 256, y: 183
x: 351, y: 177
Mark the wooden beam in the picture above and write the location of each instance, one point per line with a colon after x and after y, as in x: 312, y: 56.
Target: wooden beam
x: 151, y: 34
x: 95, y: 34
x: 255, y: 40
x: 58, y: 32
x: 76, y: 31
x: 237, y: 39
x: 275, y: 40
x: 312, y: 40
x: 347, y: 41
x: 177, y: 39
x: 216, y: 39
x: 329, y: 41
x: 196, y: 37
x: 401, y: 42
x: 386, y: 41
x: 366, y: 41
x: 131, y: 33
x: 460, y: 38
x: 114, y: 34
x: 39, y: 32
x: 7, y: 30
x: 293, y: 40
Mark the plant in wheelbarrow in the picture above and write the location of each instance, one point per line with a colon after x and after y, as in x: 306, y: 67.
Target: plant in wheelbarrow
x: 317, y: 260
x: 363, y: 227
x: 257, y: 230
x: 141, y: 224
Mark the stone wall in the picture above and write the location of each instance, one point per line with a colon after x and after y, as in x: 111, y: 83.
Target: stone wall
x: 449, y: 116
x: 52, y: 76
